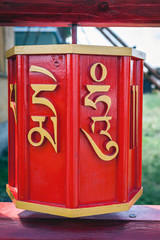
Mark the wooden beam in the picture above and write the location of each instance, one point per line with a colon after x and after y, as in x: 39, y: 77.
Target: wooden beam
x: 140, y: 222
x: 153, y: 80
x: 85, y: 13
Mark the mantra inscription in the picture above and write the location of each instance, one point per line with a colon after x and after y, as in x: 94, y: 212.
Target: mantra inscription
x: 92, y: 103
x: 102, y: 97
x: 37, y: 88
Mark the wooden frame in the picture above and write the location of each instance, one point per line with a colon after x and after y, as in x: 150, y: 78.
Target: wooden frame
x: 120, y: 13
x: 95, y: 13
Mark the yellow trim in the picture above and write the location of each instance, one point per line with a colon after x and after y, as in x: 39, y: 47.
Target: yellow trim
x: 137, y: 115
x: 10, y: 194
x: 75, y: 49
x: 72, y: 213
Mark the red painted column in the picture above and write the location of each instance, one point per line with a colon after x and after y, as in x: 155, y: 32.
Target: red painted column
x: 72, y: 131
x: 138, y: 158
x: 123, y: 98
x: 74, y: 33
x: 11, y: 128
x: 22, y: 123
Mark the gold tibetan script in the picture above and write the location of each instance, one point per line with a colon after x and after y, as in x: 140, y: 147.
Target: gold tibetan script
x: 13, y: 103
x: 105, y: 118
x: 43, y: 101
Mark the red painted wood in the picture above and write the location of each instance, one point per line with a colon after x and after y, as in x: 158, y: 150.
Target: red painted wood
x: 72, y: 141
x: 74, y: 34
x: 123, y: 101
x: 22, y: 128
x: 47, y: 169
x: 20, y: 224
x: 142, y: 213
x: 75, y: 176
x: 94, y: 186
x: 11, y: 129
x: 138, y: 177
x: 85, y: 13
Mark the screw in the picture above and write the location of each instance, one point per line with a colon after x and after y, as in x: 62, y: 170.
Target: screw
x: 132, y: 215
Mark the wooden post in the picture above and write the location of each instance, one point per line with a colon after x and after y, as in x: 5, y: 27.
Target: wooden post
x: 74, y: 33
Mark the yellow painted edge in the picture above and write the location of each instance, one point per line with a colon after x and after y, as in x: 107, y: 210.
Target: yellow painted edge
x: 71, y: 213
x: 10, y: 194
x: 74, y: 49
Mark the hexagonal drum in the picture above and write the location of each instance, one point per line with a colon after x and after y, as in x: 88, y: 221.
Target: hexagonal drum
x: 75, y: 128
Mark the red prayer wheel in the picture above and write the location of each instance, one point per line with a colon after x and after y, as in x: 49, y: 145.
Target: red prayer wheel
x: 75, y: 128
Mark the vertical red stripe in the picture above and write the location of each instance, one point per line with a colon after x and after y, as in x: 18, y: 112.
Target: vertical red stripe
x: 138, y: 158
x: 123, y: 100
x: 72, y: 131
x: 22, y: 123
x: 11, y: 130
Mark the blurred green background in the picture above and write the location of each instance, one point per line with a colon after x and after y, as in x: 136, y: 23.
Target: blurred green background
x: 151, y: 150
x: 151, y: 154
x: 4, y: 177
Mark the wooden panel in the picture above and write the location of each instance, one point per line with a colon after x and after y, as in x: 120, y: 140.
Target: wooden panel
x: 96, y: 174
x: 20, y: 224
x: 47, y: 160
x: 85, y: 13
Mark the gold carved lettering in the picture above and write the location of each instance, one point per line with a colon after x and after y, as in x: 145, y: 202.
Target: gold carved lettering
x: 34, y: 68
x: 42, y: 132
x: 43, y: 101
x: 92, y: 103
x: 39, y: 100
x: 93, y: 72
x: 13, y: 103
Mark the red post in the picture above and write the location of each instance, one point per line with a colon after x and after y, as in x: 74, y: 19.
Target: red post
x: 74, y: 33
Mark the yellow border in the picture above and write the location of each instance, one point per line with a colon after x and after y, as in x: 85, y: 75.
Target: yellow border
x: 75, y: 49
x: 72, y: 213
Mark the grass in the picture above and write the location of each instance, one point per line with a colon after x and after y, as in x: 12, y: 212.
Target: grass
x: 4, y: 177
x: 151, y: 150
x: 151, y: 154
